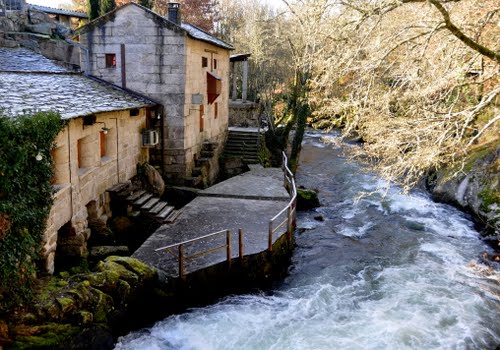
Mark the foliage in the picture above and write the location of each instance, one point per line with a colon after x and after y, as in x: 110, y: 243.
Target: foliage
x: 92, y: 9
x: 410, y: 78
x: 106, y: 6
x: 146, y: 3
x: 25, y: 199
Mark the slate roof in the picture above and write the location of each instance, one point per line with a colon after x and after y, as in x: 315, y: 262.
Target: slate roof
x: 24, y: 60
x: 191, y: 30
x: 197, y: 33
x: 56, y: 11
x: 49, y: 88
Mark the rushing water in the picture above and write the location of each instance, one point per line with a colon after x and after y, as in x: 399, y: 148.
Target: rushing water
x: 384, y: 271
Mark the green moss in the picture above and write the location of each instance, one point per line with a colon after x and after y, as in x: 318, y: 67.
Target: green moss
x: 489, y: 197
x: 48, y: 336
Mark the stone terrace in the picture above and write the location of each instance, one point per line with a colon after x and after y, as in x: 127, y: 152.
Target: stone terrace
x: 247, y: 201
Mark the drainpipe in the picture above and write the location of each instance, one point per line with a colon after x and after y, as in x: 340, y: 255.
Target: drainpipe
x: 87, y: 55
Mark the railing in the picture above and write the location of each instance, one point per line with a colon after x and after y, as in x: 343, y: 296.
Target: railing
x: 178, y: 249
x: 182, y: 257
x: 290, y: 209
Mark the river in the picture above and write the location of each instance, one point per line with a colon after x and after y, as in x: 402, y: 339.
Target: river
x: 380, y: 271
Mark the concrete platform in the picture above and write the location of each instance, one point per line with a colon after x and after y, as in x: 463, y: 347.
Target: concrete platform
x: 247, y: 201
x: 258, y: 183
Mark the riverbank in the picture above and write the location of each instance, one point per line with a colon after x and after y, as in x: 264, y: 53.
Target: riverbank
x: 475, y: 189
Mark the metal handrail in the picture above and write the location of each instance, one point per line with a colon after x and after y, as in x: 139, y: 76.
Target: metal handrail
x: 190, y: 240
x: 291, y: 207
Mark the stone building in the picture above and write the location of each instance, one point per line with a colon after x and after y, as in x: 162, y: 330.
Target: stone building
x: 71, y: 19
x: 177, y: 64
x: 98, y: 148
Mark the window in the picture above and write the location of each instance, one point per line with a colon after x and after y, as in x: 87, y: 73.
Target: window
x: 86, y: 152
x: 102, y: 136
x: 134, y: 112
x: 61, y: 165
x: 204, y: 62
x: 216, y: 110
x: 215, y: 63
x: 110, y: 60
x: 214, y: 87
x: 202, y: 112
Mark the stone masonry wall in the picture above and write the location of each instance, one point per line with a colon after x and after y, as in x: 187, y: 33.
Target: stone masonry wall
x: 83, y: 175
x: 215, y: 119
x: 155, y: 61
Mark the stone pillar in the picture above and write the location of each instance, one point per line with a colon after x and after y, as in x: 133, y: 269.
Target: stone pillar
x: 235, y: 91
x: 244, y: 83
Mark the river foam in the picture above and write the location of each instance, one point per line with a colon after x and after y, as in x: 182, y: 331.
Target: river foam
x: 383, y: 271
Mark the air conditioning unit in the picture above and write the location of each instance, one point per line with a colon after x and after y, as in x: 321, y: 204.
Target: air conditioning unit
x: 150, y: 138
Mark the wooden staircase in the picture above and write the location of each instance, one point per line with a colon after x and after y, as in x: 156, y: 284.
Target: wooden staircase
x: 243, y: 143
x: 144, y: 202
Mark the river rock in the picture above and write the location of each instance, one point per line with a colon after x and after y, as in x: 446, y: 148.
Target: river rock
x: 475, y: 189
x: 102, y: 252
x: 307, y: 199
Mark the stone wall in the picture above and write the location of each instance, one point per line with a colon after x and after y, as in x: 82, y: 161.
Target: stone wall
x: 216, y: 114
x: 163, y: 63
x: 154, y: 66
x: 86, y: 165
x: 243, y: 114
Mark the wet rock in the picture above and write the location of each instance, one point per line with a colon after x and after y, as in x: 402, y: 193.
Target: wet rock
x: 102, y: 252
x: 319, y: 218
x: 476, y: 190
x: 307, y: 199
x: 101, y: 234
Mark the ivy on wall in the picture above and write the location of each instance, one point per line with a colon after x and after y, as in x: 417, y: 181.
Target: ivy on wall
x: 26, y: 170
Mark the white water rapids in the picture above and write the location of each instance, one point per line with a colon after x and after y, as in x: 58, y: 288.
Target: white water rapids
x: 382, y: 272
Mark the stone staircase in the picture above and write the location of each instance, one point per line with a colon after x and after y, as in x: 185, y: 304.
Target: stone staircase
x: 202, y: 165
x: 144, y: 202
x: 243, y: 143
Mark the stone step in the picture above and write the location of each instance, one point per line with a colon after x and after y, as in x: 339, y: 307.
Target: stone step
x: 201, y: 161
x: 143, y: 199
x: 207, y: 154
x: 158, y: 207
x: 150, y: 203
x: 242, y: 147
x: 134, y: 196
x: 118, y: 187
x: 171, y: 218
x: 194, y: 181
x: 162, y: 215
x: 210, y: 146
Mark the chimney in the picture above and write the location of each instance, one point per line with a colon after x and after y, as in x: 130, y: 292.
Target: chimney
x: 174, y: 12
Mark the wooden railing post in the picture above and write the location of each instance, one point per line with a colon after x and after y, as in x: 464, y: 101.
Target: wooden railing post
x: 240, y: 243
x: 270, y: 238
x: 181, y: 261
x: 228, y: 247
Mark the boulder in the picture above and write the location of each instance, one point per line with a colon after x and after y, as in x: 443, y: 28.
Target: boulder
x: 102, y: 252
x: 307, y: 199
x: 42, y: 28
x: 475, y: 189
x: 153, y: 180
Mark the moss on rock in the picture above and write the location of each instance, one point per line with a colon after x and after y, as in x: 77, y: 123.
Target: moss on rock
x: 307, y: 199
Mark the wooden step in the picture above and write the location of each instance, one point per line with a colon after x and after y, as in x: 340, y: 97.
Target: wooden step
x: 143, y: 199
x: 118, y: 187
x: 150, y: 203
x: 164, y: 213
x: 158, y: 207
x: 172, y: 217
x: 134, y: 196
